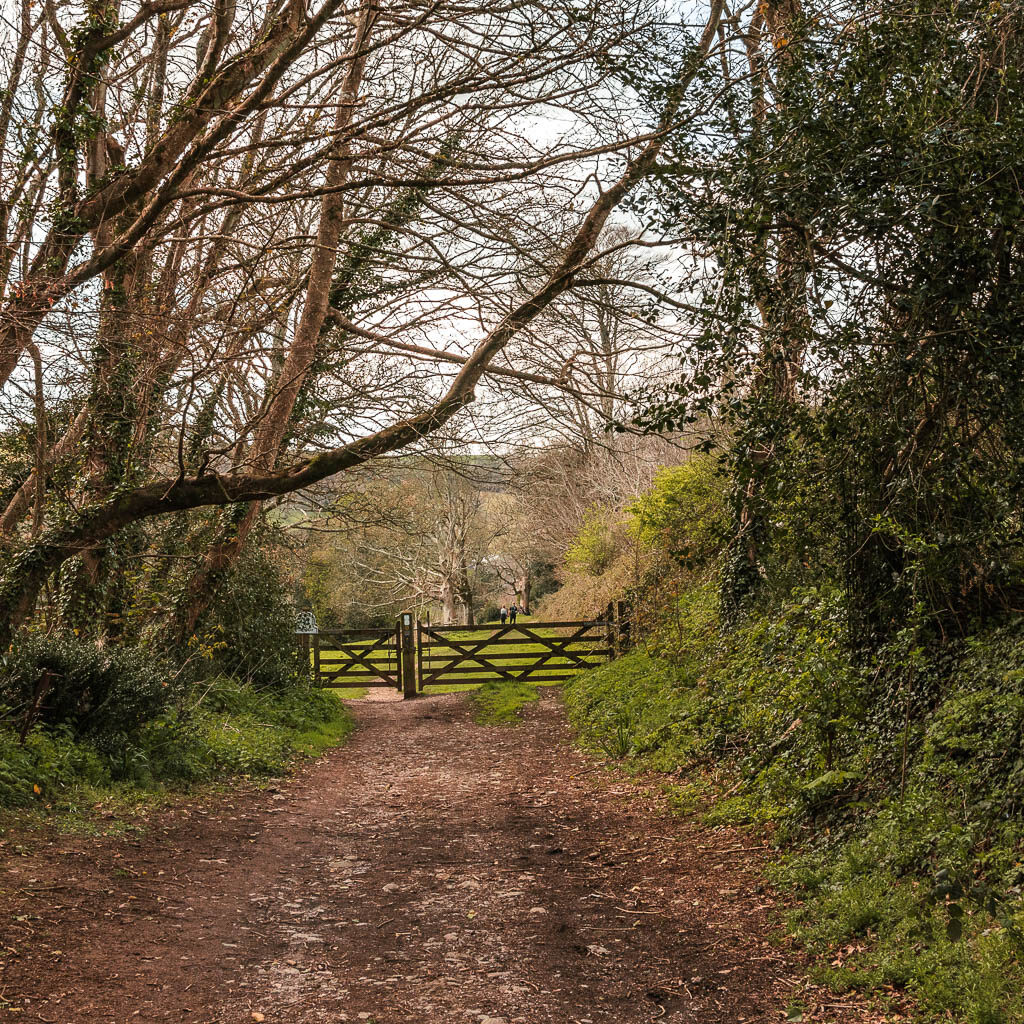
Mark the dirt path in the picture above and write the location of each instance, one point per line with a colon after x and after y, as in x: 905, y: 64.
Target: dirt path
x: 433, y: 870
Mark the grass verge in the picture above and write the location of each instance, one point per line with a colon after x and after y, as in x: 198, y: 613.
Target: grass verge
x: 225, y: 730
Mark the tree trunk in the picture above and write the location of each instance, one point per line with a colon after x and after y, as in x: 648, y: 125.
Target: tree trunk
x: 523, y: 593
x: 267, y: 444
x: 781, y: 298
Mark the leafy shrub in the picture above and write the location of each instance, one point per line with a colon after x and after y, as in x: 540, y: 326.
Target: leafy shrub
x: 96, y: 692
x: 636, y: 707
x: 230, y: 728
x: 249, y: 632
x: 884, y: 776
x: 685, y: 512
x: 221, y: 727
x: 45, y: 765
x: 595, y: 546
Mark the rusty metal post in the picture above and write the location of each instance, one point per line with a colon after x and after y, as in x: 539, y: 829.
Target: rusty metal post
x: 407, y: 655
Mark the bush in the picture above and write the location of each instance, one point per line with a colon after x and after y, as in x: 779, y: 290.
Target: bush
x: 595, y: 546
x: 777, y: 712
x: 219, y: 728
x: 44, y: 766
x: 95, y: 692
x: 638, y: 707
x: 685, y: 513
x: 230, y: 728
x: 249, y: 631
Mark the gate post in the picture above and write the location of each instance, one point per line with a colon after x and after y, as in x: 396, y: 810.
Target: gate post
x: 316, y: 658
x: 419, y: 656
x: 622, y: 614
x: 407, y: 656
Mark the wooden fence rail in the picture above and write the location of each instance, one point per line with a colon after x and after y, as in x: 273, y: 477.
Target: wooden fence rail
x: 543, y: 652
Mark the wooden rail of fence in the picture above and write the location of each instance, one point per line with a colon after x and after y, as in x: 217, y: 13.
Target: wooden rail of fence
x: 535, y: 652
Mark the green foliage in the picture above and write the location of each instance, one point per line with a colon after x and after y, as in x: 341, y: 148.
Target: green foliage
x: 238, y: 730
x: 862, y: 347
x: 44, y: 766
x: 99, y: 692
x: 896, y: 783
x: 249, y: 630
x: 500, y: 702
x: 685, y: 513
x: 679, y: 623
x: 638, y: 708
x: 543, y: 580
x: 219, y: 729
x: 595, y: 546
x: 896, y: 142
x: 872, y: 932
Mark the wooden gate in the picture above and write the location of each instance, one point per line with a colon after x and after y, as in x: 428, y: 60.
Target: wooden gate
x: 357, y: 657
x: 411, y: 659
x: 535, y: 652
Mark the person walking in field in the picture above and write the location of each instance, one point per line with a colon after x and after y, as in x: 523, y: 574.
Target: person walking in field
x: 513, y: 611
x: 504, y: 614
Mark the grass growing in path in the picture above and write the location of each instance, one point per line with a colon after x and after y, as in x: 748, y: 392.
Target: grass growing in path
x: 500, y: 702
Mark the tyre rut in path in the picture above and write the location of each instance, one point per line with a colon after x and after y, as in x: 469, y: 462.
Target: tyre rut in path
x: 432, y: 870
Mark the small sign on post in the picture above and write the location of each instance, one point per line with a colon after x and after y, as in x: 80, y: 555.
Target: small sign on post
x: 305, y: 623
x: 305, y: 630
x: 406, y: 649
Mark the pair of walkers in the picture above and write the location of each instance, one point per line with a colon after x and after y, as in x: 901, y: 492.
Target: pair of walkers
x: 509, y: 613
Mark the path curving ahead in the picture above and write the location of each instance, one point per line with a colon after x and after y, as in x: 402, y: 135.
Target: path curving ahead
x: 433, y: 870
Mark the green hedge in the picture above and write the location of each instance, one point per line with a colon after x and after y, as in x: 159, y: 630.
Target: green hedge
x: 218, y: 728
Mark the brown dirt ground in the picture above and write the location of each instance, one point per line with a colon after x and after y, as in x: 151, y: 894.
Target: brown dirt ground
x: 432, y: 870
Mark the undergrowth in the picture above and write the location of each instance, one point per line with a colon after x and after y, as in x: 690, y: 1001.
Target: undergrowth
x: 216, y: 729
x: 903, y: 835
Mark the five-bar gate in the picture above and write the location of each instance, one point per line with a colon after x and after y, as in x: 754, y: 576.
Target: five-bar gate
x: 413, y: 659
x: 545, y: 652
x: 356, y: 657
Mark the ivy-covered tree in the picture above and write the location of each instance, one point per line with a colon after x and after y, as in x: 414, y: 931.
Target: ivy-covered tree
x: 873, y: 162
